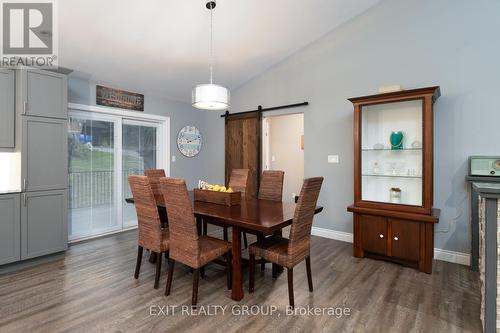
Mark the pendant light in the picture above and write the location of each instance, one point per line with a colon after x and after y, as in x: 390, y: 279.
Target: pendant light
x: 210, y: 96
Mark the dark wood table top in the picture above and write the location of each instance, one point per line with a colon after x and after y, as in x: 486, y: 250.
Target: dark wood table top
x: 253, y: 214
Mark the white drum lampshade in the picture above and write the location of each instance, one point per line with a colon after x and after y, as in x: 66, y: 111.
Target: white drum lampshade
x: 210, y: 97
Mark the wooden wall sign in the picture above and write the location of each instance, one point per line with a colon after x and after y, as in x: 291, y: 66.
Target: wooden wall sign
x: 119, y: 98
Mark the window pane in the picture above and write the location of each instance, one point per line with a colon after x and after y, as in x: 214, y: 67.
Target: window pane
x: 91, y: 177
x: 139, y: 153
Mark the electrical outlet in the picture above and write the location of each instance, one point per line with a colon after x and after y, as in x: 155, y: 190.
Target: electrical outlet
x: 273, y: 158
x: 173, y: 158
x: 333, y: 159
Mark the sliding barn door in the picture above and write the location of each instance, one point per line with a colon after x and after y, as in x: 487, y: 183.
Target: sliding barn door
x: 243, y: 137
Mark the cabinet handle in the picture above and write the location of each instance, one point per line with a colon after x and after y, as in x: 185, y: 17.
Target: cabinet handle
x: 395, y: 238
x: 25, y: 107
x: 381, y: 236
x: 24, y: 184
x: 24, y: 199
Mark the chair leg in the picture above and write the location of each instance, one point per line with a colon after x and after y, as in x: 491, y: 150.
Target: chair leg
x: 275, y: 271
x: 167, y: 255
x: 245, y: 240
x: 139, y: 260
x: 152, y: 257
x: 226, y: 237
x: 196, y: 278
x: 290, y: 287
x: 158, y: 270
x: 171, y: 263
x: 229, y: 270
x: 205, y: 228
x: 202, y: 272
x: 251, y: 273
x: 309, y: 275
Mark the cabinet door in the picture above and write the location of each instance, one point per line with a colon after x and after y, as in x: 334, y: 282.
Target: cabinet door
x: 46, y: 94
x: 44, y: 227
x: 374, y: 234
x: 405, y: 239
x: 44, y: 154
x: 10, y: 225
x: 7, y: 111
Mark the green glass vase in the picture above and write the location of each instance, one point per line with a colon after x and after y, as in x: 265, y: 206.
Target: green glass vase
x: 397, y: 140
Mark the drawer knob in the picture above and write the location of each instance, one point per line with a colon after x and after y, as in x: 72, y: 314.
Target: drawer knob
x: 381, y: 236
x: 395, y: 238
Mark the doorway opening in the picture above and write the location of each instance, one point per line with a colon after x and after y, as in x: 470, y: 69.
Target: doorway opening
x: 283, y: 149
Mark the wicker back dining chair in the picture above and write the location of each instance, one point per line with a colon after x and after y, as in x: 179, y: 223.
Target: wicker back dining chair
x: 271, y: 185
x: 154, y: 176
x: 238, y: 182
x: 151, y: 235
x: 186, y: 246
x: 270, y: 188
x: 289, y: 252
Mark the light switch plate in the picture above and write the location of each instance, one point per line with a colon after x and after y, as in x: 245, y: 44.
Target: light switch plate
x: 173, y: 158
x: 333, y: 159
x: 273, y: 158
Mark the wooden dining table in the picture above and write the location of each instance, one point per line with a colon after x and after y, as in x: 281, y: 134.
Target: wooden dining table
x: 252, y: 215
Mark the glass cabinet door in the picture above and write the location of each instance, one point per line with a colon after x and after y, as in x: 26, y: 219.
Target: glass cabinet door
x: 392, y: 152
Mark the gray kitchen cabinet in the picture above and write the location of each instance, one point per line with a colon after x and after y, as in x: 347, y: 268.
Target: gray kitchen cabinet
x: 10, y: 228
x: 44, y: 93
x: 7, y: 110
x: 44, y: 154
x: 44, y: 227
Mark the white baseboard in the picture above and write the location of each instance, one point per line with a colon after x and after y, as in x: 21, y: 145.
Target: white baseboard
x: 439, y: 254
x: 332, y: 234
x: 452, y: 256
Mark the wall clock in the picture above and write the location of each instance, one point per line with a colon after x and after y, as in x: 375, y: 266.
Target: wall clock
x: 189, y: 141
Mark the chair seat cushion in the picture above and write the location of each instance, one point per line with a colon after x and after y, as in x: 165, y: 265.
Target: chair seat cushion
x: 276, y: 250
x: 211, y: 248
x: 156, y: 246
x: 273, y: 248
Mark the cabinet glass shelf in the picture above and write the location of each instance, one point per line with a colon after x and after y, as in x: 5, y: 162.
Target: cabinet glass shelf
x: 390, y: 176
x: 392, y: 150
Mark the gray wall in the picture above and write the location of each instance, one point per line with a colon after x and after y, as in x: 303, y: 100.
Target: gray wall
x: 82, y: 91
x: 414, y: 43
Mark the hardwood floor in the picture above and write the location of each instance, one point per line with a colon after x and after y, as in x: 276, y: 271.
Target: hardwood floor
x: 92, y: 289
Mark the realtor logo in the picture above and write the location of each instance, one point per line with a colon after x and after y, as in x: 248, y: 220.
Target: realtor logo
x: 28, y: 33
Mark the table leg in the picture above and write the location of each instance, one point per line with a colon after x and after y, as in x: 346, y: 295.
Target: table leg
x: 237, y: 291
x: 279, y: 269
x: 199, y: 224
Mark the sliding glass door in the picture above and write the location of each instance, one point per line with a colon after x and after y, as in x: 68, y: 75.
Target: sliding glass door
x: 103, y: 151
x: 140, y: 152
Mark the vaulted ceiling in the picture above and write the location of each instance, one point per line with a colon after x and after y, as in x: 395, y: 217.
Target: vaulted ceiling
x: 161, y: 47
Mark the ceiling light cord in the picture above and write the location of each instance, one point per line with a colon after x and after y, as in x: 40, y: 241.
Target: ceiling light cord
x: 211, y: 44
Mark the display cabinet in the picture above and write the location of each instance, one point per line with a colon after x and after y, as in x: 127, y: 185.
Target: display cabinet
x: 393, y: 177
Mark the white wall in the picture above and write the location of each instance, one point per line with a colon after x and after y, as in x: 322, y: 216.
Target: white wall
x: 285, y: 134
x: 414, y: 43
